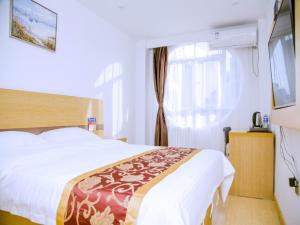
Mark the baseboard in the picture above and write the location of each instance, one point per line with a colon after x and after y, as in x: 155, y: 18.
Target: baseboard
x: 281, y: 218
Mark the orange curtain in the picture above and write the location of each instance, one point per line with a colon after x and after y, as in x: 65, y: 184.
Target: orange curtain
x: 160, y: 61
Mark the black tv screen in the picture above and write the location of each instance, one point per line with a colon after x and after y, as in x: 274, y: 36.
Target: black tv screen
x: 282, y: 56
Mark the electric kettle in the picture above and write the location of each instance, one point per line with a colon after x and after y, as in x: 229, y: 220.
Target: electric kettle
x: 256, y: 119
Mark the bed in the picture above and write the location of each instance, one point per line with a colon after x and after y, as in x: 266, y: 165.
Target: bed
x: 33, y: 177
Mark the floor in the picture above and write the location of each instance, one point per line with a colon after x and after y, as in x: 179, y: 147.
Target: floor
x: 246, y: 211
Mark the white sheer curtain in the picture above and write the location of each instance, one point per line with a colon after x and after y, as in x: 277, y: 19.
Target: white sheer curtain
x: 206, y: 90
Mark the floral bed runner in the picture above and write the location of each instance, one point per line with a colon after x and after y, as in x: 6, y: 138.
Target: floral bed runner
x: 111, y: 195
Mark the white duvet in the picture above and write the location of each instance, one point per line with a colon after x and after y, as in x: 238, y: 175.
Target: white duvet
x: 32, y: 180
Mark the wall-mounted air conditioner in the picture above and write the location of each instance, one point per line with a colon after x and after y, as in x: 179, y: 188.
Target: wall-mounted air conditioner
x: 234, y: 37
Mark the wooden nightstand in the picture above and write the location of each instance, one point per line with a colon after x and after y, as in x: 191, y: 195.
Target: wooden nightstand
x: 252, y: 156
x: 124, y: 139
x: 100, y: 133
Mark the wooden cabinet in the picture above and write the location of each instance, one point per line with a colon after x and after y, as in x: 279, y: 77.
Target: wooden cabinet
x: 100, y: 133
x: 252, y: 155
x: 124, y: 139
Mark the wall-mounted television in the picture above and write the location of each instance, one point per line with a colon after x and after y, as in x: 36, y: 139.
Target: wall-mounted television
x: 282, y: 55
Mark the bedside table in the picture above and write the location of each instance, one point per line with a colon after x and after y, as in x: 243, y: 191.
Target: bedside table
x: 252, y: 156
x: 124, y: 139
x: 100, y: 133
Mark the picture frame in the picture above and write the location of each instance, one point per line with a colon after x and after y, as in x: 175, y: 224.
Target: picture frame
x: 33, y: 23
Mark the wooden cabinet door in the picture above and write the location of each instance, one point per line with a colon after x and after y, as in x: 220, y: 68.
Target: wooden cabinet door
x: 252, y: 155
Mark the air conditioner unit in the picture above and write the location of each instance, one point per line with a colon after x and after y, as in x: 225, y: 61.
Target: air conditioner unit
x: 234, y: 37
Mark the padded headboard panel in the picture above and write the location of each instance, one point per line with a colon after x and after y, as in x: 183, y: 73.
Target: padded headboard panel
x: 37, y: 112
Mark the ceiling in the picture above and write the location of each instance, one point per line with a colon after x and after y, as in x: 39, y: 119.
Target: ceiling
x: 147, y: 19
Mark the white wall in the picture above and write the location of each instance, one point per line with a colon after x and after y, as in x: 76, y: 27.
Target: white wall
x: 93, y: 59
x: 140, y: 93
x: 289, y: 202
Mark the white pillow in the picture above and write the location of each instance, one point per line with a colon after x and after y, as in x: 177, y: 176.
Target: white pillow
x: 13, y: 139
x: 69, y: 134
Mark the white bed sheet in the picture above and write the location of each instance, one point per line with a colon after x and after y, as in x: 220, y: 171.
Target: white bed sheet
x: 32, y: 180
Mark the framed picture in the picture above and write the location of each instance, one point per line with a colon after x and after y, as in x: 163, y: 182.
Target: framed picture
x: 33, y: 23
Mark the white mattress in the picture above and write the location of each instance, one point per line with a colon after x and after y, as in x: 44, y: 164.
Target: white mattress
x: 32, y: 181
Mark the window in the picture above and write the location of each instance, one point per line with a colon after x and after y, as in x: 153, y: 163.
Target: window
x: 202, y: 86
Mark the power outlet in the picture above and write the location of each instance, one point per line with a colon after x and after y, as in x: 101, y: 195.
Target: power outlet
x: 293, y: 182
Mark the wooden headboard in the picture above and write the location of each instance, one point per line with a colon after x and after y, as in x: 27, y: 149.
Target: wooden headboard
x: 36, y: 112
